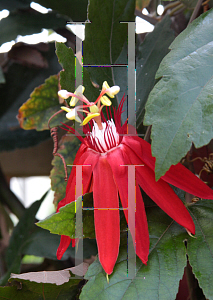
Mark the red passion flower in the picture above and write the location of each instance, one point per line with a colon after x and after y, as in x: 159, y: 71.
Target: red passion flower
x: 109, y: 149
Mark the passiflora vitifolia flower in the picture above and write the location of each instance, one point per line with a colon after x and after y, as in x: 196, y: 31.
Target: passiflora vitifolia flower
x: 108, y: 149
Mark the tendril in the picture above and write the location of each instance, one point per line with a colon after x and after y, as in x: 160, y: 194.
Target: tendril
x: 208, y: 164
x: 54, y: 135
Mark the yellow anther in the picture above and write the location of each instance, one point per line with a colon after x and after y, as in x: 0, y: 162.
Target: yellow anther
x: 71, y: 114
x: 105, y: 85
x: 79, y: 92
x: 88, y: 118
x: 111, y: 91
x: 106, y: 101
x: 67, y: 109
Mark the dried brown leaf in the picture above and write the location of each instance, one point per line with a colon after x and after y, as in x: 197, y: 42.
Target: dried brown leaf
x: 54, y: 277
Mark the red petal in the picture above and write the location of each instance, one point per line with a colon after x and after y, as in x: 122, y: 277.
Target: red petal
x: 73, y: 242
x: 165, y: 198
x: 83, y: 157
x: 177, y: 175
x: 107, y: 224
x: 140, y: 227
x: 142, y: 233
x: 161, y: 193
x: 141, y: 148
x: 184, y: 179
x: 64, y: 244
x: 61, y: 204
x: 79, y: 153
x: 89, y: 157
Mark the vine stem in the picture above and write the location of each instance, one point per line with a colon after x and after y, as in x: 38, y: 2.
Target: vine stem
x: 195, y: 11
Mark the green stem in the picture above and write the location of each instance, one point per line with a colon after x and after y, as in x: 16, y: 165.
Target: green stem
x: 9, y: 199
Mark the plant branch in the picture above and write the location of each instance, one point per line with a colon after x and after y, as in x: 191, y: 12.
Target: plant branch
x: 195, y: 11
x: 148, y: 134
x: 9, y: 199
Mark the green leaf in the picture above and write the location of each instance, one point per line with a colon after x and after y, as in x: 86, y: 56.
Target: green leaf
x: 63, y: 222
x: 151, y: 53
x: 200, y: 249
x: 180, y: 107
x: 167, y: 259
x: 18, y: 239
x: 158, y: 280
x: 44, y: 244
x: 68, y: 147
x: 28, y: 22
x: 104, y: 40
x: 75, y: 9
x: 43, y: 103
x: 25, y: 290
x: 66, y: 58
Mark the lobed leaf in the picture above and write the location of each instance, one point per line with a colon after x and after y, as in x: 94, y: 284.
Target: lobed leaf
x: 68, y: 147
x: 158, y: 280
x: 43, y: 103
x: 180, y: 107
x: 167, y: 259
